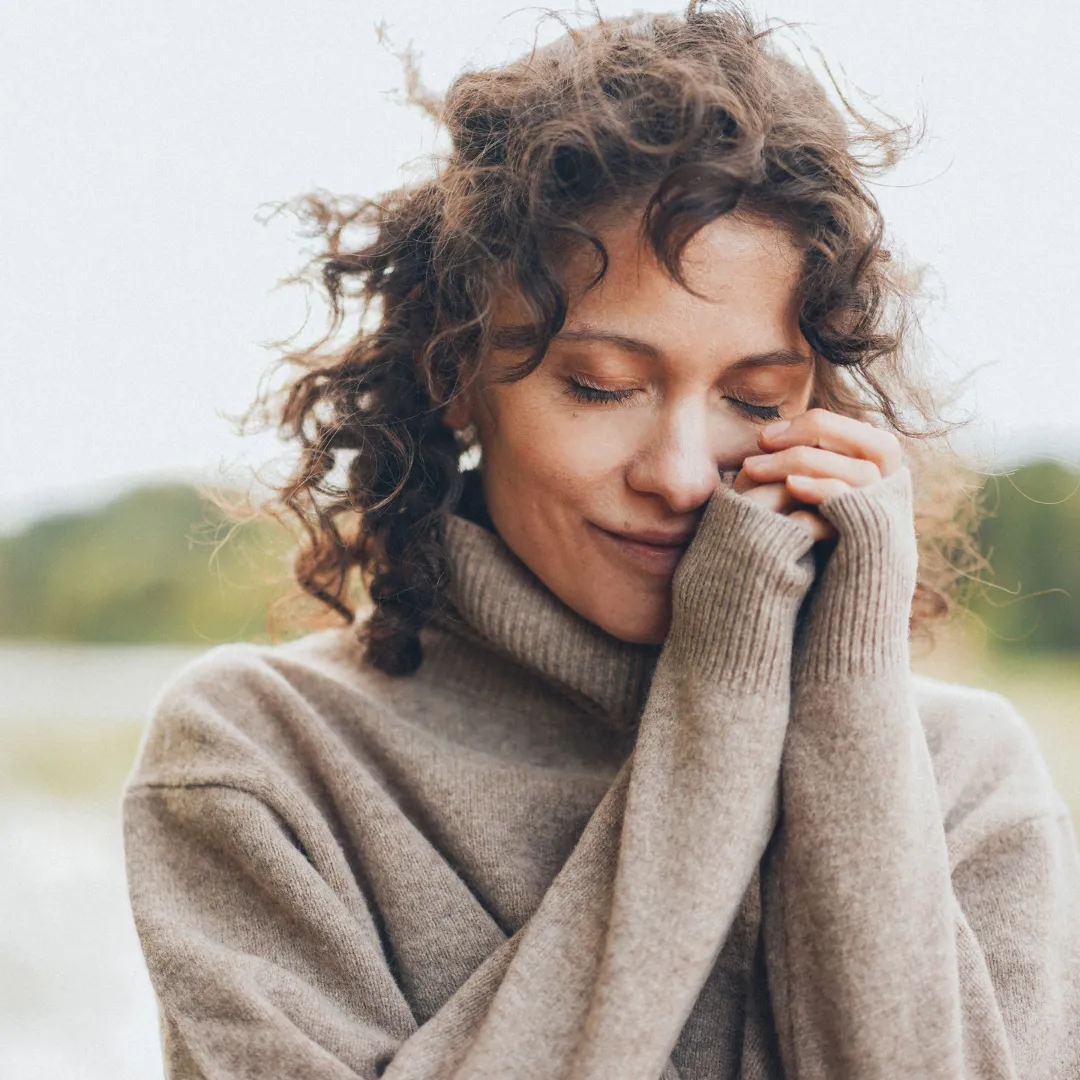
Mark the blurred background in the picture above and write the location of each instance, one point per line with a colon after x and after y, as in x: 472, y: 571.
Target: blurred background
x: 144, y: 146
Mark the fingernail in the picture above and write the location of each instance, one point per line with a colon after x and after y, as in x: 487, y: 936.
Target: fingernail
x: 777, y: 427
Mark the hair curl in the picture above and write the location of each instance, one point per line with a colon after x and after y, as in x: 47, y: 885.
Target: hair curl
x: 693, y: 117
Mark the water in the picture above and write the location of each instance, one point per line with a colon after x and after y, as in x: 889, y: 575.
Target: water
x: 82, y: 684
x: 75, y: 999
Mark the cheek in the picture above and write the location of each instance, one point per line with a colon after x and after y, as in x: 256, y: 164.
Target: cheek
x: 808, y: 393
x: 558, y: 450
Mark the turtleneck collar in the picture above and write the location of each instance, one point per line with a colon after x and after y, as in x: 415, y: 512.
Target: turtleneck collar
x: 497, y: 598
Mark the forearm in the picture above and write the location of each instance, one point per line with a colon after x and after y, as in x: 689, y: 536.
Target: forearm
x: 862, y: 923
x: 700, y: 803
x: 860, y: 915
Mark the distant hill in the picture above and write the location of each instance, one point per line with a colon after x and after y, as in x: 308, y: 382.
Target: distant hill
x: 142, y: 568
x: 146, y: 568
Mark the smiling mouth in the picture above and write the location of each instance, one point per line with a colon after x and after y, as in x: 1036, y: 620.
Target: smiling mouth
x: 652, y: 551
x: 655, y: 559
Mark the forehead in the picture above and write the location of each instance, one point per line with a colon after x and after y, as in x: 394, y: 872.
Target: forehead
x: 746, y: 271
x: 731, y: 260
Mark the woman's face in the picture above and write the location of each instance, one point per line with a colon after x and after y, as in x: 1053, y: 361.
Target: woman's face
x: 597, y: 466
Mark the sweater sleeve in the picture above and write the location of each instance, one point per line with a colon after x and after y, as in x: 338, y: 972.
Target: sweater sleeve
x: 267, y: 962
x: 884, y: 959
x: 612, y: 974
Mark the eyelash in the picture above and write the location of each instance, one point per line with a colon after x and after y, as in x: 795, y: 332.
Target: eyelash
x: 757, y: 412
x: 593, y: 395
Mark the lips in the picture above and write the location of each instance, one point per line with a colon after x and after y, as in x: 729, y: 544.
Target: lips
x: 657, y: 537
x: 658, y: 554
x: 655, y: 551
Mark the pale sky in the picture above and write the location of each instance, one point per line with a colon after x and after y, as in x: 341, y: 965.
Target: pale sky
x: 139, y: 141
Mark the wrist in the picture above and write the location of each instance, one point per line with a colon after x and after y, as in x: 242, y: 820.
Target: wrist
x: 737, y: 592
x: 860, y: 609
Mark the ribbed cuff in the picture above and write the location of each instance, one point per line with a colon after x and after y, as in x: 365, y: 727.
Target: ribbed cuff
x: 858, y: 621
x: 737, y: 592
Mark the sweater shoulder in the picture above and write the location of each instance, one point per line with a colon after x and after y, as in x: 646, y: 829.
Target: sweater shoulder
x: 240, y: 710
x: 991, y: 773
x: 307, y: 712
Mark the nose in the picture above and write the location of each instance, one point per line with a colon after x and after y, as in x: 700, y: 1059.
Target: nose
x: 678, y: 462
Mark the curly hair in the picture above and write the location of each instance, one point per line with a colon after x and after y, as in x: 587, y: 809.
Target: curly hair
x: 692, y: 117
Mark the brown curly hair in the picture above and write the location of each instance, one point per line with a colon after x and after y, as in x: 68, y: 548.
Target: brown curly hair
x: 693, y: 117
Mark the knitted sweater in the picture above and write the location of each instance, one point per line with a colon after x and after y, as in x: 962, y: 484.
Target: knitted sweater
x: 765, y: 850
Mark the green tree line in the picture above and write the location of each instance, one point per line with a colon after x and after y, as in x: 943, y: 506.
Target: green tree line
x: 149, y: 567
x: 1031, y: 535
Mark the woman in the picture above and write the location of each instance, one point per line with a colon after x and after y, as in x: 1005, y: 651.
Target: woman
x: 624, y: 773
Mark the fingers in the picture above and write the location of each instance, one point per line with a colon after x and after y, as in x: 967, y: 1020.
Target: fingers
x: 814, y: 523
x: 781, y: 500
x: 810, y: 461
x: 775, y: 497
x: 815, y: 490
x: 837, y: 433
x: 742, y: 482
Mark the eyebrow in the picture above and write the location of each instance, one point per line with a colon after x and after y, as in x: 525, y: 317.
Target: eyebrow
x: 774, y: 357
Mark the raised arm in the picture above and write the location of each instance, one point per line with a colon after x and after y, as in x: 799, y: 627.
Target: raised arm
x: 700, y: 804
x: 892, y: 951
x: 267, y: 960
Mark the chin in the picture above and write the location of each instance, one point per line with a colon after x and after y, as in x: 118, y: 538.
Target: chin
x: 638, y: 628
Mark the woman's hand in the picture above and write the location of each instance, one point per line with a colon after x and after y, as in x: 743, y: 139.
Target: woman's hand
x: 813, y: 457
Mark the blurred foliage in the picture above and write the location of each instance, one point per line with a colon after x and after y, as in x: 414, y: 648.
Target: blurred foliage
x: 1031, y: 535
x: 147, y: 567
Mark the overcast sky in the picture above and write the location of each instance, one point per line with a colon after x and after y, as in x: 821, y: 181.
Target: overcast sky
x: 139, y: 141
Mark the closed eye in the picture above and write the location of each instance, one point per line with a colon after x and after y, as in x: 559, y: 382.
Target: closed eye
x: 756, y: 412
x: 593, y: 395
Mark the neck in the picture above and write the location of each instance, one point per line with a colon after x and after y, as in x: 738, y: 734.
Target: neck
x: 496, y: 598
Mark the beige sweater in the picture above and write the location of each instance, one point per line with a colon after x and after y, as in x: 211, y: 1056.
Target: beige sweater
x: 769, y: 851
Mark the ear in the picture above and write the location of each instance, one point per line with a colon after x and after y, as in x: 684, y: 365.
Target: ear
x: 458, y: 413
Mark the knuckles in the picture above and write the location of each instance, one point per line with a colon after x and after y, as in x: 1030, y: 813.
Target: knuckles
x: 885, y: 454
x: 800, y: 456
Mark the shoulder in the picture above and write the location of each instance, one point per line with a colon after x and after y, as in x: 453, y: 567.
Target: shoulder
x: 237, y: 710
x: 991, y: 774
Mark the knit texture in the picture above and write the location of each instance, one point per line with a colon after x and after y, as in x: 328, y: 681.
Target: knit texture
x: 765, y: 850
